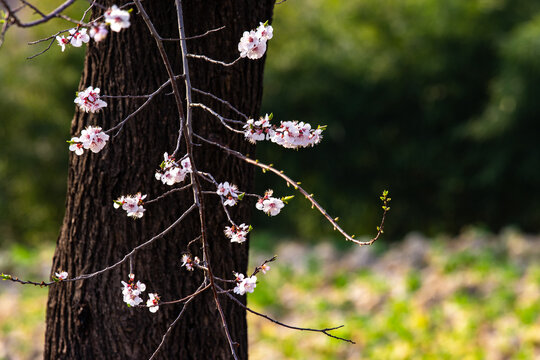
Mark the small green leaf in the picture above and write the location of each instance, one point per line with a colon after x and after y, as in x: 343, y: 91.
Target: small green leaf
x: 286, y: 199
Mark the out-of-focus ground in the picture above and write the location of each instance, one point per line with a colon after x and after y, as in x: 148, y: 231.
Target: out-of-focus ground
x: 476, y: 296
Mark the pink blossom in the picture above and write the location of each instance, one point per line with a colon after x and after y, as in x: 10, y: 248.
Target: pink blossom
x: 238, y: 233
x: 265, y: 32
x: 170, y: 172
x: 132, y: 204
x: 244, y: 284
x: 62, y: 42
x: 92, y: 138
x: 78, y: 37
x: 132, y: 290
x: 264, y: 268
x: 269, y: 204
x: 152, y: 302
x: 117, y: 19
x: 63, y: 275
x: 230, y: 192
x: 98, y: 32
x: 89, y: 100
x: 190, y: 263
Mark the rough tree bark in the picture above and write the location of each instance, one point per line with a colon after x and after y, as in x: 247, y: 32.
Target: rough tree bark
x: 88, y: 319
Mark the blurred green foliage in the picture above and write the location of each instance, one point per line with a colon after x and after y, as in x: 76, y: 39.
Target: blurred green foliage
x: 36, y: 107
x: 434, y: 100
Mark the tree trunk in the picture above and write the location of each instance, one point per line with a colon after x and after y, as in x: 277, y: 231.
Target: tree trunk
x: 88, y: 319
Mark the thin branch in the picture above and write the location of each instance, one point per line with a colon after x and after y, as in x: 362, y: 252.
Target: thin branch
x: 26, y: 282
x: 43, y: 19
x: 171, y: 326
x: 223, y: 102
x: 167, y: 194
x: 221, y: 118
x: 296, y: 185
x: 184, y: 299
x: 206, y: 58
x: 324, y: 331
x: 148, y: 242
x: 195, y: 36
x: 120, y: 125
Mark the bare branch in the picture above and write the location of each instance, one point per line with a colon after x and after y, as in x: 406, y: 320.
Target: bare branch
x: 168, y: 193
x: 223, y: 102
x: 221, y: 118
x: 195, y: 36
x: 146, y: 243
x: 172, y: 325
x: 325, y: 331
x: 206, y: 58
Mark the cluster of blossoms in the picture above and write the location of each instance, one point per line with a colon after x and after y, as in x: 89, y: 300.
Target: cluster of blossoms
x: 170, y: 172
x: 132, y: 290
x: 92, y: 138
x: 133, y: 204
x: 244, y: 284
x: 89, y: 101
x: 270, y: 205
x: 190, y: 263
x: 290, y: 134
x: 153, y: 302
x: 238, y: 233
x: 230, y: 192
x: 63, y: 275
x: 116, y: 18
x: 253, y: 43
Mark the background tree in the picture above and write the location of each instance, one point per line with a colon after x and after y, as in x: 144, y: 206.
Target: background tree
x: 87, y: 320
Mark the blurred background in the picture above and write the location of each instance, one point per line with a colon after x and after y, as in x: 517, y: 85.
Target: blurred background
x: 435, y: 101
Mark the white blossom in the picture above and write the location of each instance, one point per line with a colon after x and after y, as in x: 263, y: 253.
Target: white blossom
x: 244, y: 284
x: 230, y: 192
x: 265, y: 32
x: 89, y: 100
x: 238, y: 233
x: 92, y: 138
x: 78, y: 37
x: 264, y: 268
x: 62, y: 42
x: 63, y: 275
x: 170, y: 172
x: 132, y: 204
x: 98, y: 32
x: 117, y: 19
x: 152, y: 302
x: 190, y: 263
x: 132, y: 290
x: 269, y: 204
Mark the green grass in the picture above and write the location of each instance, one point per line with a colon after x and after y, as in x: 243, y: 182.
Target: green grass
x: 472, y: 297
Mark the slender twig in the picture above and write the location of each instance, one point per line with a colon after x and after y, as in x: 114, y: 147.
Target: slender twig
x: 203, y: 57
x: 296, y: 185
x: 43, y: 19
x: 221, y: 118
x: 195, y: 36
x: 324, y: 331
x: 146, y: 243
x: 149, y: 97
x: 167, y: 194
x: 171, y: 326
x: 26, y: 282
x: 221, y: 101
x: 184, y: 299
